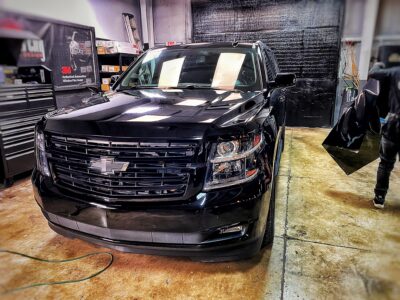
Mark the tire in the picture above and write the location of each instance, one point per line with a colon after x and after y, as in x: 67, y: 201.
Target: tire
x: 270, y: 227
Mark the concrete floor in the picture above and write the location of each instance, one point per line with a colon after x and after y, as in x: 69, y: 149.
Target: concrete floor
x: 330, y: 244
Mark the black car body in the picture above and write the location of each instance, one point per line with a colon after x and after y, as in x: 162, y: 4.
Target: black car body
x: 174, y: 168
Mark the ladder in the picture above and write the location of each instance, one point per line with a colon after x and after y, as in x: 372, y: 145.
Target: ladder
x: 131, y: 30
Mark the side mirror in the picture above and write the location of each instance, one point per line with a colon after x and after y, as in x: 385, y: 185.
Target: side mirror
x: 114, y: 78
x: 284, y: 80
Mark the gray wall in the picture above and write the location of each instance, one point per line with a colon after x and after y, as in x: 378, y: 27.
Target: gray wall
x: 172, y: 21
x: 305, y: 36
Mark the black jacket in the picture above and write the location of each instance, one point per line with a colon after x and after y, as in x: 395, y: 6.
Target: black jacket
x: 390, y: 82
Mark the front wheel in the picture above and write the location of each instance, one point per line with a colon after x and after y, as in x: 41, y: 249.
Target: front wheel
x: 270, y: 227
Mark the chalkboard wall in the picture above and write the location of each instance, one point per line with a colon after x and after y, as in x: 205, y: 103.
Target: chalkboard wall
x: 304, y: 34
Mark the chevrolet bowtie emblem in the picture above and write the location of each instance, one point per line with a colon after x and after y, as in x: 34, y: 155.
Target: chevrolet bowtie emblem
x: 107, y: 165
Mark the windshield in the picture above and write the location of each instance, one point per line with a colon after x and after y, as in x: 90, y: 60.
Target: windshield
x: 216, y: 68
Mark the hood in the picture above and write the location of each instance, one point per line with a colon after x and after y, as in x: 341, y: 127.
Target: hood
x: 157, y: 108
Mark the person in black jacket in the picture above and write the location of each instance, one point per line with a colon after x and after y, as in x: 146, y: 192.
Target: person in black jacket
x: 390, y: 142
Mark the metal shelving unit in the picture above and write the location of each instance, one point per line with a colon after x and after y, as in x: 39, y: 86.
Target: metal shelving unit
x: 115, y: 59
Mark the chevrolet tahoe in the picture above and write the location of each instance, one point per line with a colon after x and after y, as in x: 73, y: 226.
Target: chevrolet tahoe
x: 179, y: 158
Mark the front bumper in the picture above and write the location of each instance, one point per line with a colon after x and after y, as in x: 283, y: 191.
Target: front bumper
x: 192, y: 228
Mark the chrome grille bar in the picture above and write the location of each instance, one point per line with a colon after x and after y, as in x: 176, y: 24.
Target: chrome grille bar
x: 156, y: 169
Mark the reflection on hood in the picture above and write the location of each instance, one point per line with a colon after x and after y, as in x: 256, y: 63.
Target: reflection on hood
x: 161, y: 105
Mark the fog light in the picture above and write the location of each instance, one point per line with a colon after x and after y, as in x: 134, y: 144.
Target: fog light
x: 234, y: 229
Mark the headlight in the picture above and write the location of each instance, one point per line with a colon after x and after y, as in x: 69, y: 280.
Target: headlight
x: 40, y: 151
x: 233, y: 162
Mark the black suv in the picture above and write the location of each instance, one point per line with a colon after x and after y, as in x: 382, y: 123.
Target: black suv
x: 179, y: 158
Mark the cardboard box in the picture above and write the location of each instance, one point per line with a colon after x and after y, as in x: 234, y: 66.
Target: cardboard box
x: 124, y: 47
x: 109, y: 44
x: 105, y: 87
x: 113, y: 69
x: 105, y: 68
x: 101, y: 50
x: 124, y: 68
x: 105, y: 80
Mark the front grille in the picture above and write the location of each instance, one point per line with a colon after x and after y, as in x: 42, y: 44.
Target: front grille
x: 155, y: 170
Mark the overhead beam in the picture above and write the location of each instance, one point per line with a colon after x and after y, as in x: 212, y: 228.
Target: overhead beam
x: 146, y: 13
x: 367, y: 37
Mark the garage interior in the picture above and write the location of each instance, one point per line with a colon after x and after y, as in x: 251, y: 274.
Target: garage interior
x: 329, y: 240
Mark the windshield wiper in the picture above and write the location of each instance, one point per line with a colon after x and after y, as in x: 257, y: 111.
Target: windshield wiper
x: 183, y: 87
x: 136, y: 87
x: 193, y: 86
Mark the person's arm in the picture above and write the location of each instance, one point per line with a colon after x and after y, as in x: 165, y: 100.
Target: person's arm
x: 377, y: 72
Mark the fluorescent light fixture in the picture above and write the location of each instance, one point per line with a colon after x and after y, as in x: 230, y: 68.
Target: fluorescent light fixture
x: 191, y: 102
x: 149, y: 118
x: 207, y: 121
x: 141, y: 109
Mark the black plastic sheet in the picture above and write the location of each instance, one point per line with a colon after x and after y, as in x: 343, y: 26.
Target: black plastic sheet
x: 354, y: 141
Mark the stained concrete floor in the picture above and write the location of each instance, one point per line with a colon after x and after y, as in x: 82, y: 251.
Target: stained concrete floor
x: 329, y: 244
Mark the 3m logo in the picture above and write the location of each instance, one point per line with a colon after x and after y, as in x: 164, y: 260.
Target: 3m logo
x: 65, y: 70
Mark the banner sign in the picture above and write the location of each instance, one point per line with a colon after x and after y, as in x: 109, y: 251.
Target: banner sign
x: 69, y: 50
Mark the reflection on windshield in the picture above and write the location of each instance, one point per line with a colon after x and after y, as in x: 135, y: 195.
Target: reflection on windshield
x: 170, y: 72
x: 227, y: 70
x: 216, y: 68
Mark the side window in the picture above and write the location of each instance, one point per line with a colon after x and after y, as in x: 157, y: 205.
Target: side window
x: 146, y: 73
x: 265, y: 63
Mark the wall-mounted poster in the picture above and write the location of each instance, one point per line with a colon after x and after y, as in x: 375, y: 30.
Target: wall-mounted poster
x: 74, y: 58
x: 67, y: 49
